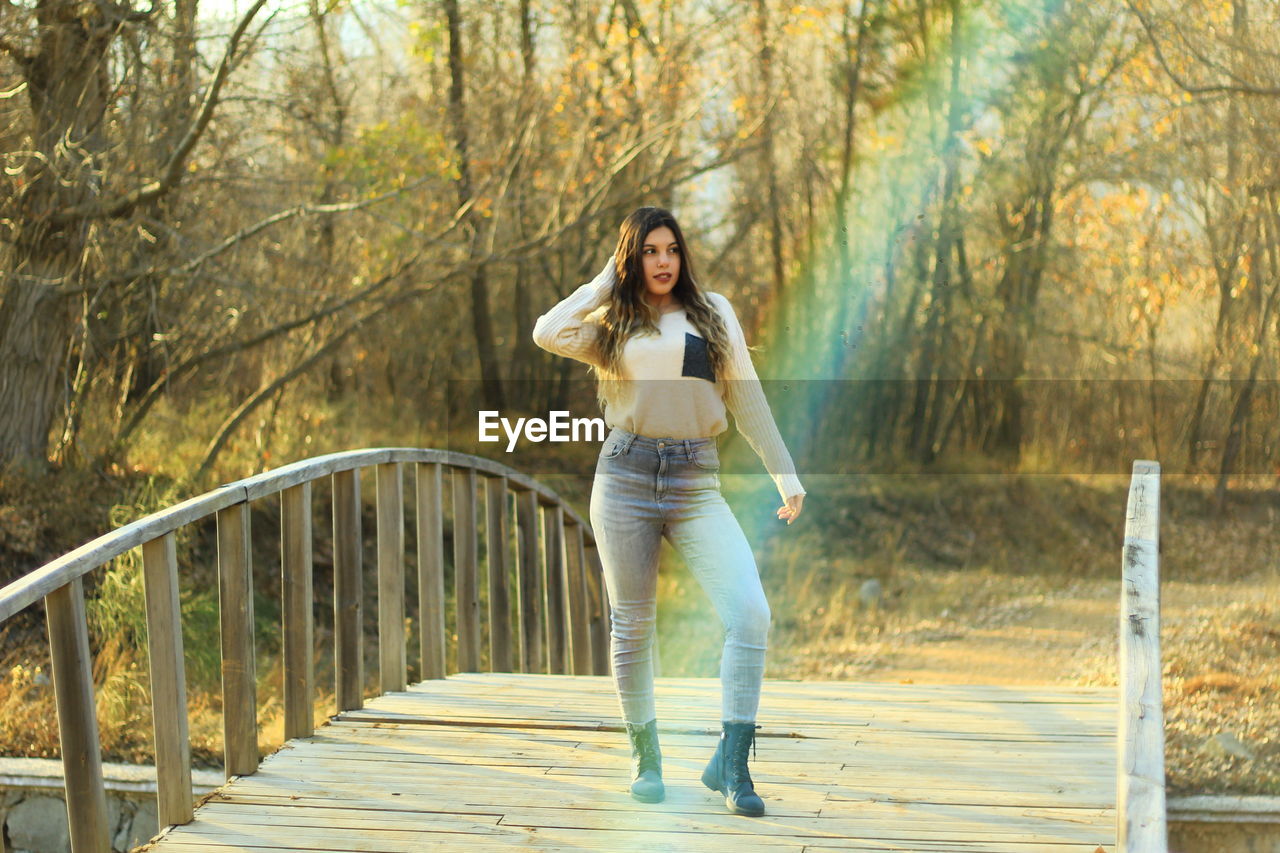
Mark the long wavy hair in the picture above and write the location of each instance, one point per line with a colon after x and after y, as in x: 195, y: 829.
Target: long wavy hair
x: 629, y: 313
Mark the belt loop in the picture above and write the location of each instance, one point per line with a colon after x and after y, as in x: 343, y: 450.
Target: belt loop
x: 631, y: 437
x: 688, y: 450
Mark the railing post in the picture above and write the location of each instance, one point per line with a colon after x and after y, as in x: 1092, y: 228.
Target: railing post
x: 499, y: 599
x: 235, y: 614
x: 465, y: 581
x: 557, y: 634
x: 430, y: 511
x: 347, y: 592
x: 1141, y: 823
x: 296, y: 593
x: 77, y: 721
x: 168, y: 681
x: 529, y: 586
x: 575, y: 575
x: 599, y: 608
x: 391, y: 674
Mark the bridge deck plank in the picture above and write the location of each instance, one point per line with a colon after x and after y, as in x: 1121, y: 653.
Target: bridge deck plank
x: 498, y: 761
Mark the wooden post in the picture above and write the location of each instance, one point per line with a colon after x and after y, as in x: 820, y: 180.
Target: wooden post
x: 347, y: 593
x: 557, y: 633
x: 235, y: 613
x: 579, y: 645
x: 599, y: 612
x: 1140, y: 815
x: 168, y: 681
x: 430, y: 511
x: 499, y: 597
x: 391, y: 577
x: 77, y: 721
x: 465, y: 585
x: 529, y: 587
x: 298, y: 635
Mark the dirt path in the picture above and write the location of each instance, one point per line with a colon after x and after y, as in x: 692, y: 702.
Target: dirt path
x: 1046, y: 640
x: 1220, y: 650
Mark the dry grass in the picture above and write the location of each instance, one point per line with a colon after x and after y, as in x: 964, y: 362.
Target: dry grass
x: 29, y: 721
x: 1222, y: 676
x: 28, y: 713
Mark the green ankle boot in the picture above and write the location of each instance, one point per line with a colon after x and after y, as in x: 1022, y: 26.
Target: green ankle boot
x: 646, y: 763
x: 727, y: 771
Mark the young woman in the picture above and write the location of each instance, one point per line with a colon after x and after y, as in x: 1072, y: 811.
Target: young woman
x: 670, y: 358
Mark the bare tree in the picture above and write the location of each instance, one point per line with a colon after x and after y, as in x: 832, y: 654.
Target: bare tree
x: 59, y: 196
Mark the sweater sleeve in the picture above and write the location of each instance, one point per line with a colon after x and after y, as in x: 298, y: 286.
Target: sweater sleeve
x: 564, y: 330
x: 745, y: 399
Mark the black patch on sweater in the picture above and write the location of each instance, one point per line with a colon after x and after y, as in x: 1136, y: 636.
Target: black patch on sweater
x: 696, y: 361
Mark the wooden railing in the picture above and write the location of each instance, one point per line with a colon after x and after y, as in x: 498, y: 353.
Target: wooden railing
x: 1141, y: 825
x: 559, y: 598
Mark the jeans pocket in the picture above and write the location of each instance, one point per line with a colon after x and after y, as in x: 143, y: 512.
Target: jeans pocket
x: 612, y: 449
x: 707, y: 458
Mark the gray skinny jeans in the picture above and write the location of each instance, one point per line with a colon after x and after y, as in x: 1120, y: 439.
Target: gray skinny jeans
x: 645, y: 489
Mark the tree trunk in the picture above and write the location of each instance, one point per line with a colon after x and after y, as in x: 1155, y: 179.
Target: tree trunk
x: 481, y: 321
x: 36, y: 324
x: 855, y: 50
x: 66, y: 78
x: 937, y: 332
x: 767, y: 154
x: 139, y: 361
x: 1244, y: 400
x: 1225, y: 267
x: 523, y: 352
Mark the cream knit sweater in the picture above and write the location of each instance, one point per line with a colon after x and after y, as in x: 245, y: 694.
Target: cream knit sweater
x: 668, y: 388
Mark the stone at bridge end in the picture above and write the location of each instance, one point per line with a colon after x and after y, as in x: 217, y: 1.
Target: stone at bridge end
x: 38, y: 823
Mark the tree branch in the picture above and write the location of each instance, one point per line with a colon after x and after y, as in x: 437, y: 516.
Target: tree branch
x: 267, y: 391
x: 17, y: 51
x: 171, y: 174
x: 1185, y: 85
x: 191, y: 363
x: 300, y: 210
x: 633, y: 19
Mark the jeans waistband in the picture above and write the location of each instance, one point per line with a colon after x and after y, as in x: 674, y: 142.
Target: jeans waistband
x: 656, y: 444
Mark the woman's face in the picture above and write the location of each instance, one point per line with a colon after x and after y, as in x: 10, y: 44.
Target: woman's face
x: 661, y: 256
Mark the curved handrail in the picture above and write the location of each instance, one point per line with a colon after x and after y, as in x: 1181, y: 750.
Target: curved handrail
x: 34, y: 585
x: 571, y: 630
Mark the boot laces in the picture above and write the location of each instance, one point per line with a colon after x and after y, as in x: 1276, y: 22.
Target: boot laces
x: 646, y: 748
x: 739, y: 758
x: 749, y: 742
x: 648, y: 756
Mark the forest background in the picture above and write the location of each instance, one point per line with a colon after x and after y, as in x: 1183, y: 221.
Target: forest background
x: 991, y: 251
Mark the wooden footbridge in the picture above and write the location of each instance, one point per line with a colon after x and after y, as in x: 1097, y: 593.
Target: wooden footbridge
x: 531, y: 754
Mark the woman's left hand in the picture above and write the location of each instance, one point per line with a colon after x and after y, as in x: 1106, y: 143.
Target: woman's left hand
x: 792, y: 508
